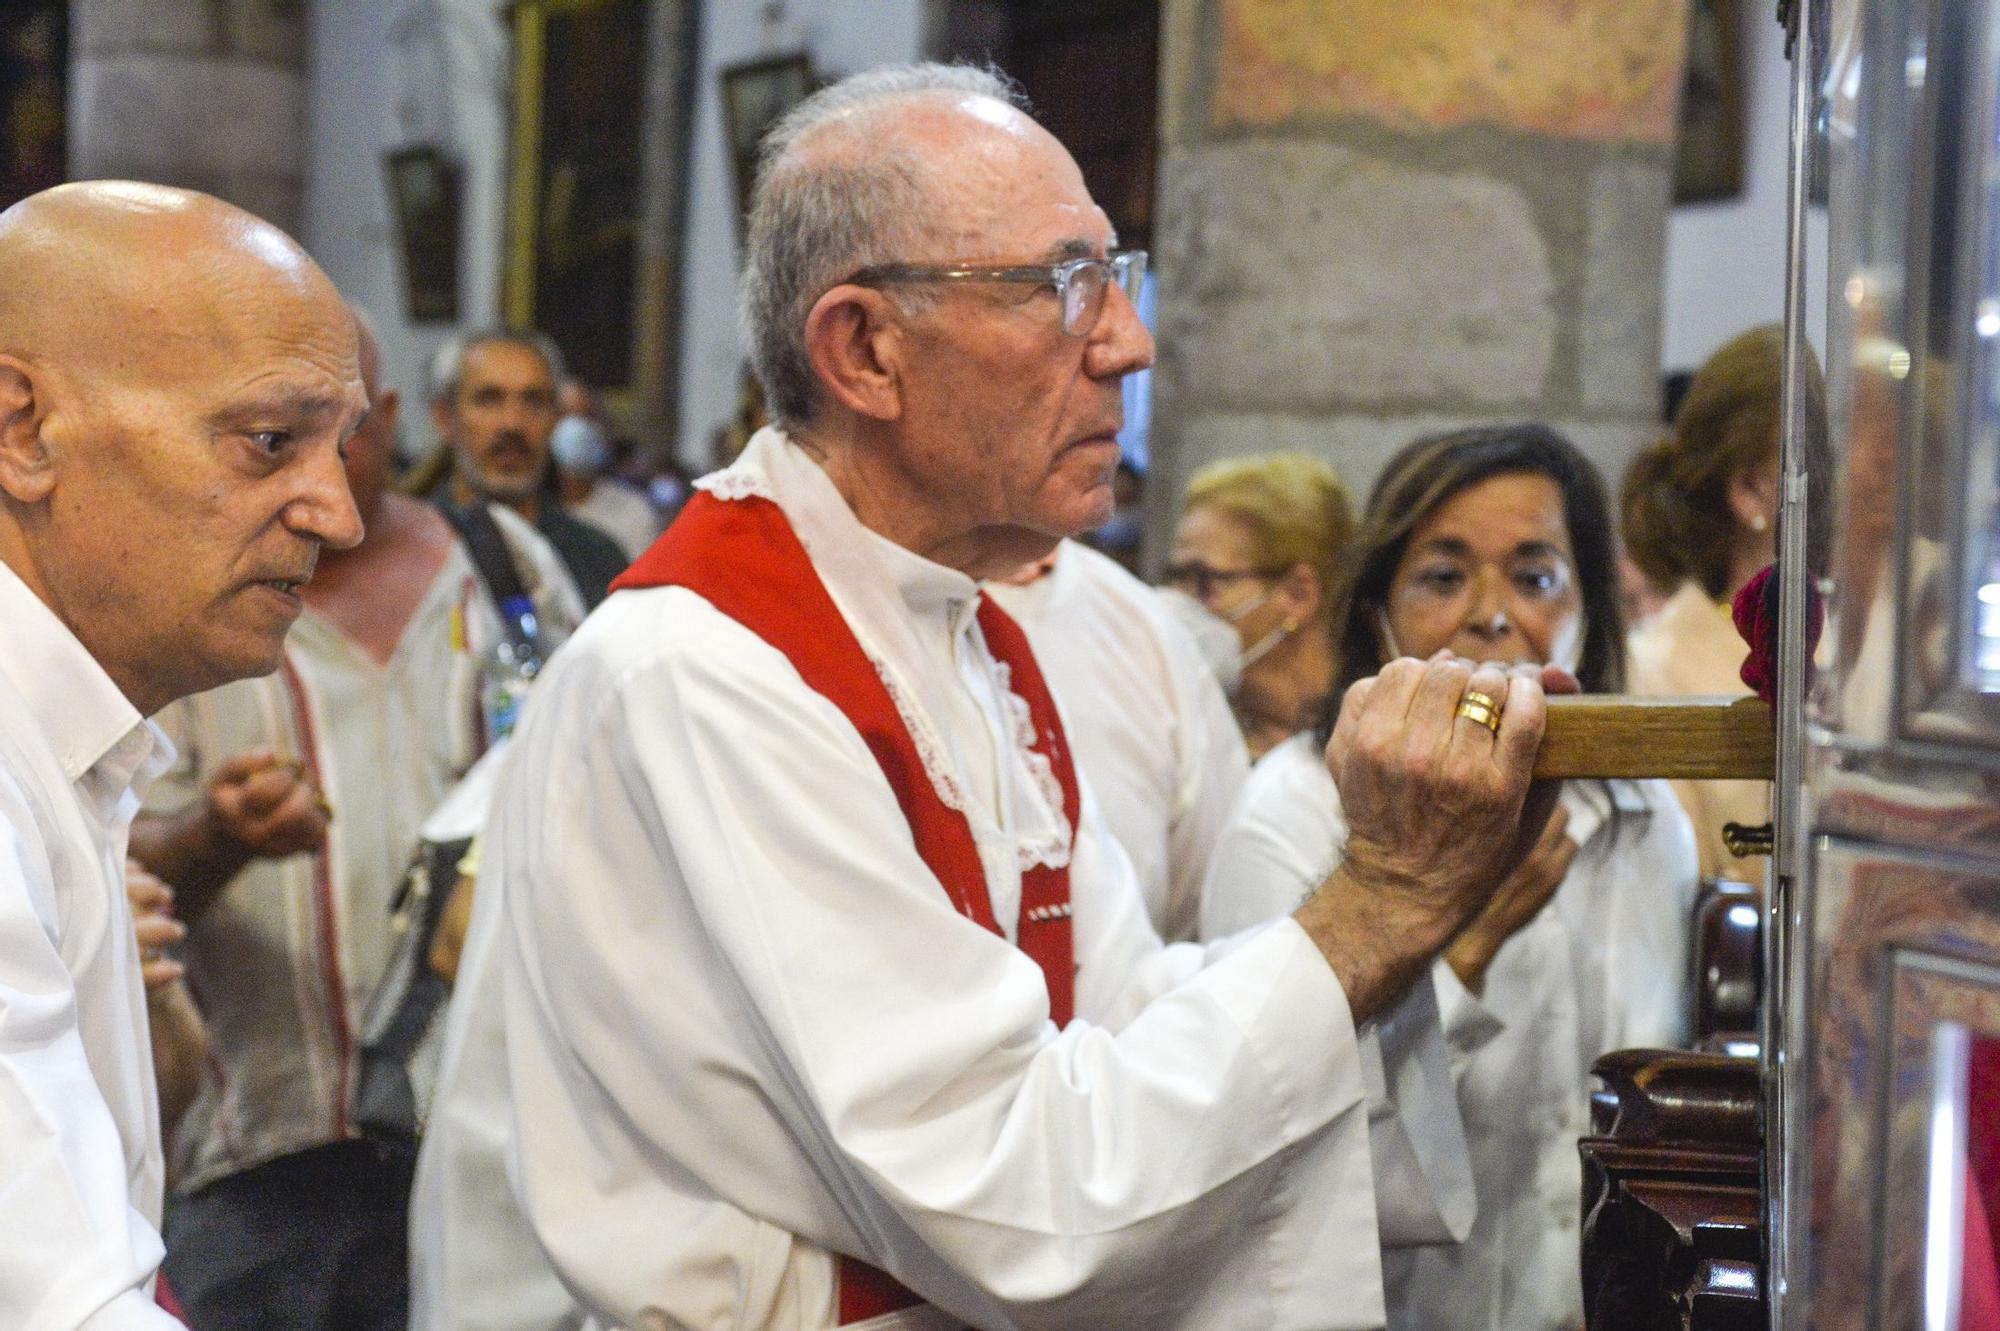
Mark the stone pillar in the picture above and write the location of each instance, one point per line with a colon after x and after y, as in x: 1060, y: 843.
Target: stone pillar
x: 1406, y: 218
x: 206, y: 94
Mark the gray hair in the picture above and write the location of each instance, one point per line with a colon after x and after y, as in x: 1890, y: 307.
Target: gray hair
x: 448, y: 365
x: 812, y: 222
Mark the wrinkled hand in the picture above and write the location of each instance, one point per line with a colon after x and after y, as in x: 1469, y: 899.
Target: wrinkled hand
x: 155, y: 926
x: 1434, y: 804
x: 265, y: 804
x: 1433, y: 800
x: 1518, y: 900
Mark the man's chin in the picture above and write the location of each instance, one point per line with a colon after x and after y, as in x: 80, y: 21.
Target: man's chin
x: 505, y: 489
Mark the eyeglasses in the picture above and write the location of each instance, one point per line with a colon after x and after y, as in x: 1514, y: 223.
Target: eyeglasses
x: 1202, y: 582
x: 1079, y: 284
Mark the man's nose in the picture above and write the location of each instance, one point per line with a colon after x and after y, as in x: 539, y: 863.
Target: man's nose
x: 525, y: 418
x: 1120, y: 344
x: 323, y: 508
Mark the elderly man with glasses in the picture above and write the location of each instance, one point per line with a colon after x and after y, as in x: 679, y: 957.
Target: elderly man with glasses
x: 804, y: 987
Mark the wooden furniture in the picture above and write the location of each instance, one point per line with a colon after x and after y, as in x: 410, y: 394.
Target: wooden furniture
x: 1672, y: 1228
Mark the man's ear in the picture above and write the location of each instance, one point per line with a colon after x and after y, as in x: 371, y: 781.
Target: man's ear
x: 387, y: 403
x: 441, y: 418
x: 856, y: 345
x: 27, y: 472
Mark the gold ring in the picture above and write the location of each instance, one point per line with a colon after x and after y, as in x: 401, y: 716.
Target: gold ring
x: 1477, y: 706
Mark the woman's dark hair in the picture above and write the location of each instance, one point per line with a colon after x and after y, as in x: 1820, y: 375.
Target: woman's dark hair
x: 1417, y: 482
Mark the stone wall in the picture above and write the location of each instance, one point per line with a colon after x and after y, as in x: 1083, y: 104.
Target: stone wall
x: 206, y: 94
x: 1413, y: 218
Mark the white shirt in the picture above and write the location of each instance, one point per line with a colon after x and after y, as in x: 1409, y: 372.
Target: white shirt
x: 622, y: 513
x: 1147, y: 720
x: 741, y: 1027
x: 1604, y: 966
x: 80, y: 1163
x: 292, y: 951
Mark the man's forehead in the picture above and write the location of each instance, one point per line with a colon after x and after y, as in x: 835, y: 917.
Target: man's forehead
x: 504, y: 358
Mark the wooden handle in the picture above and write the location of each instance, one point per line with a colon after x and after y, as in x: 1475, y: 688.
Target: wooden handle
x: 1613, y: 735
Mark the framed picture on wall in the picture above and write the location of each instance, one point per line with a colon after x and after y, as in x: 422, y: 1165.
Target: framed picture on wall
x: 34, y: 67
x: 424, y: 197
x: 575, y: 178
x: 1708, y: 159
x: 754, y: 96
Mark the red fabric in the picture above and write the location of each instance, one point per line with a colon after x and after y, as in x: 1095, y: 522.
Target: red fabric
x: 1979, y: 1274
x: 743, y: 557
x: 1755, y: 611
x: 164, y: 1296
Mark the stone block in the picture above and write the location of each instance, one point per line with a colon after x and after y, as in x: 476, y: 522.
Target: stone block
x: 1303, y: 276
x: 1618, y: 331
x: 97, y: 27
x: 1594, y: 69
x: 156, y: 114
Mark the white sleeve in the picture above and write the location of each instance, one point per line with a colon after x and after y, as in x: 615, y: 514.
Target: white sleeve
x: 1212, y: 764
x: 74, y: 1253
x: 1010, y: 1172
x: 1277, y: 848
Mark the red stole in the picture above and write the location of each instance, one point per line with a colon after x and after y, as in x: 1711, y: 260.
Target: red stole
x: 743, y: 558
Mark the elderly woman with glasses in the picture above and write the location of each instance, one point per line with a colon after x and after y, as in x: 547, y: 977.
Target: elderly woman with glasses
x: 1495, y: 544
x: 1259, y: 546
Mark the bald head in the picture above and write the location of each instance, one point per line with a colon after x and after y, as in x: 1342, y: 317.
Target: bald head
x: 177, y: 380
x: 87, y: 265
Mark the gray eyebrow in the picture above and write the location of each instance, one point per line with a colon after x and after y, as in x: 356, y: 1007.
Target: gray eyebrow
x: 1070, y: 249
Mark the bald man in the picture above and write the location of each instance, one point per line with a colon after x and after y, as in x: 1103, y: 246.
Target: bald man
x: 177, y: 382
x: 282, y: 1215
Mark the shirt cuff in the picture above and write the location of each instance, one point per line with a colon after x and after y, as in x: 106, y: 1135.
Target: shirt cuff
x: 1423, y: 1170
x: 1468, y: 1023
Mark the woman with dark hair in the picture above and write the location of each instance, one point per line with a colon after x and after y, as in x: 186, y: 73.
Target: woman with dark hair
x: 1495, y: 544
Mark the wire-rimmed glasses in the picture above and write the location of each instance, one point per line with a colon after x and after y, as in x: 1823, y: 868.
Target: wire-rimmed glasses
x: 1079, y: 284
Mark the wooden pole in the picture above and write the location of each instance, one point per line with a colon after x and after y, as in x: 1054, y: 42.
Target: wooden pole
x: 1694, y: 738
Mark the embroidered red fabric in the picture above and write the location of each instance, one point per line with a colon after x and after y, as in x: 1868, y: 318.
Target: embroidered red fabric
x: 742, y: 556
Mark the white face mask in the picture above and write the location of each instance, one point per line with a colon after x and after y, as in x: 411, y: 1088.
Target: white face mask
x: 1261, y: 648
x: 1215, y: 636
x: 580, y: 446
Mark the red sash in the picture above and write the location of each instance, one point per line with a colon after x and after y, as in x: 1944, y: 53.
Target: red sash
x: 743, y: 558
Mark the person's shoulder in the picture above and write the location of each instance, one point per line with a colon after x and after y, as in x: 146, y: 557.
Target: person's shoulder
x: 28, y: 764
x: 1293, y: 770
x: 1101, y: 578
x: 1103, y: 587
x: 646, y: 630
x: 518, y: 531
x: 581, y: 533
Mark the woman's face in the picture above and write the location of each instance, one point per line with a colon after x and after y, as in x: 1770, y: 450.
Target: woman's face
x: 1491, y: 575
x: 1215, y: 561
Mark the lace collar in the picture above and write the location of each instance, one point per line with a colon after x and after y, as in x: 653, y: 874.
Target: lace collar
x: 894, y: 599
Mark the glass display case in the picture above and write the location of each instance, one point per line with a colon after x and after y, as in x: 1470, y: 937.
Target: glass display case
x: 1882, y: 1118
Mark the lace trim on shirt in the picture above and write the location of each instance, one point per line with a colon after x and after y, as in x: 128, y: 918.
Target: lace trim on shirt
x: 928, y: 750
x: 732, y: 484
x: 1051, y: 850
